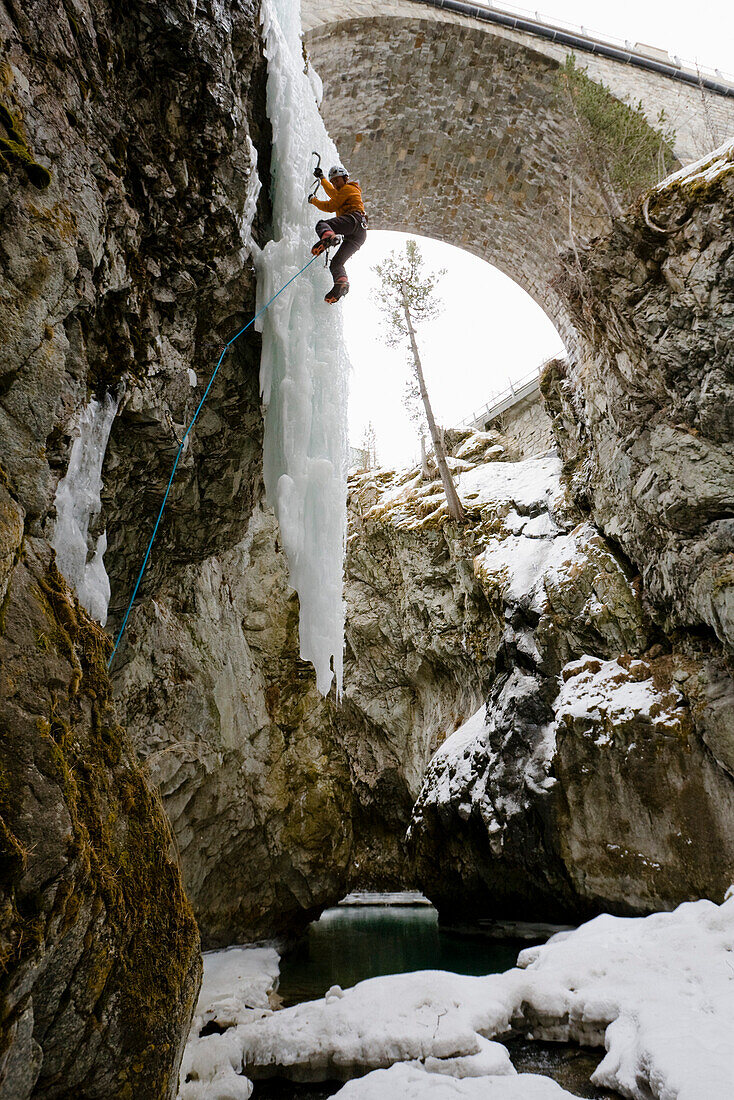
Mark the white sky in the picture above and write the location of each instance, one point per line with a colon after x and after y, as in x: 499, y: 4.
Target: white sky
x: 491, y: 330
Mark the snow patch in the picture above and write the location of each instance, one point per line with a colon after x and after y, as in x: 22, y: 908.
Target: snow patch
x: 540, y: 553
x: 530, y: 491
x: 706, y: 169
x: 234, y: 989
x: 78, y: 502
x: 531, y: 486
x: 595, y: 689
x: 304, y: 367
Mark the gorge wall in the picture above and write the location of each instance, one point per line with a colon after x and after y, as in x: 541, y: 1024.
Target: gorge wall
x: 128, y: 143
x: 635, y: 808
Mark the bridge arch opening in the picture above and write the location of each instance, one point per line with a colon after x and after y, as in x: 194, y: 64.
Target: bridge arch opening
x: 490, y: 336
x: 457, y: 131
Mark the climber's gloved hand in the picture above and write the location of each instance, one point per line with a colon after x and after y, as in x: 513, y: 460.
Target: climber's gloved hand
x: 318, y: 173
x: 311, y: 198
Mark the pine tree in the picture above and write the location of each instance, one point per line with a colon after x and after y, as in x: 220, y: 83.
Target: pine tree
x: 369, y: 446
x: 407, y: 298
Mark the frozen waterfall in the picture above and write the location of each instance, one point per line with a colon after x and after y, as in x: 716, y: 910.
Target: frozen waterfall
x: 77, y: 501
x: 304, y: 372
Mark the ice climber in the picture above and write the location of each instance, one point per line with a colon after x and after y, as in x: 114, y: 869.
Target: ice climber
x: 350, y: 223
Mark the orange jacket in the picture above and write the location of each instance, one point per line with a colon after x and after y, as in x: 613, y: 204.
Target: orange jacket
x: 347, y: 200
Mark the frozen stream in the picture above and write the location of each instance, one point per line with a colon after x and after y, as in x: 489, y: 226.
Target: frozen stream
x: 652, y: 995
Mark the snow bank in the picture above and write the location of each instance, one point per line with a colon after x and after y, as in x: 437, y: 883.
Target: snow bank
x: 234, y: 989
x: 657, y: 991
x: 304, y: 368
x: 77, y: 502
x: 401, y: 1017
x: 410, y: 1082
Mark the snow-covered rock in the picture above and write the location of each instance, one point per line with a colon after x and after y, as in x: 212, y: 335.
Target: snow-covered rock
x: 235, y: 988
x: 657, y: 992
x: 410, y: 1082
x: 539, y: 812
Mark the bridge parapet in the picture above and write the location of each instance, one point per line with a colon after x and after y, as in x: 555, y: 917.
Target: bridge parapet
x: 698, y: 106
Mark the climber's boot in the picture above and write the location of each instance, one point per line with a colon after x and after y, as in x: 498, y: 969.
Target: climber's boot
x: 339, y: 289
x: 328, y: 238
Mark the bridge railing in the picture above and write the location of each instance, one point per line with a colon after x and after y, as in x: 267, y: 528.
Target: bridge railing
x: 700, y: 73
x: 502, y: 400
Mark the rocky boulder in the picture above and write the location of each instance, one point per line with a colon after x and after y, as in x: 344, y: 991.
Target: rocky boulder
x: 589, y: 782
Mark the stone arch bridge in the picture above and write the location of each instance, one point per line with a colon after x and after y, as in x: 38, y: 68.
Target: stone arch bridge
x: 454, y: 125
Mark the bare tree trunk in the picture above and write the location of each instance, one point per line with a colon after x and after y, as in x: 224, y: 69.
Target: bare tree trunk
x: 456, y: 510
x: 425, y: 472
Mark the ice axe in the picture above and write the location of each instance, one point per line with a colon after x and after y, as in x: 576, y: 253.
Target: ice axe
x: 318, y: 173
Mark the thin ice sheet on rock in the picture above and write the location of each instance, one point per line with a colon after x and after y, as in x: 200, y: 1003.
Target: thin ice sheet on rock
x: 235, y: 988
x: 657, y: 991
x: 304, y: 369
x: 78, y: 502
x: 411, y: 1082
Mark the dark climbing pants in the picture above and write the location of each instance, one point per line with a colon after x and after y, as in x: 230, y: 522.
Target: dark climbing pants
x: 351, y: 228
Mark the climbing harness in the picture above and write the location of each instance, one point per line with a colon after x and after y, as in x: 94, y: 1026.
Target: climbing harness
x: 225, y: 349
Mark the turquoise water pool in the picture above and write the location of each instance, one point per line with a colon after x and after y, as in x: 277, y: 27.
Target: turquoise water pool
x: 351, y: 943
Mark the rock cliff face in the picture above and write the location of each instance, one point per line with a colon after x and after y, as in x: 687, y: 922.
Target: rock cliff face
x: 99, y: 945
x: 580, y: 792
x: 267, y: 783
x: 128, y: 143
x: 645, y: 419
x: 605, y: 765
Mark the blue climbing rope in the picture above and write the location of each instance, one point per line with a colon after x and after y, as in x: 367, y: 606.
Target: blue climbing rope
x: 181, y: 447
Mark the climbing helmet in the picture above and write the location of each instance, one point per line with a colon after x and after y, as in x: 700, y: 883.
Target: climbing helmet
x: 338, y: 170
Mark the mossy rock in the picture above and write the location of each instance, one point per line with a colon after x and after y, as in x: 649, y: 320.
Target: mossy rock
x: 89, y: 872
x: 14, y: 150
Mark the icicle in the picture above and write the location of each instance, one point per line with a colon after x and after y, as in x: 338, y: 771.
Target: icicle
x: 249, y: 209
x: 77, y: 501
x: 304, y: 370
